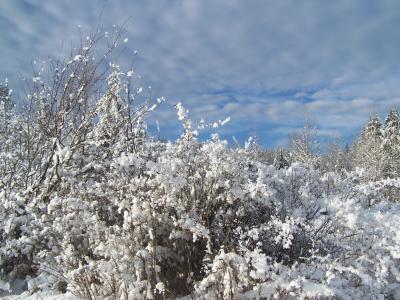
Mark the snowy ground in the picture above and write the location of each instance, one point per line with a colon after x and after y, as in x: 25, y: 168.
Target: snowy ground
x: 41, y: 296
x: 19, y: 293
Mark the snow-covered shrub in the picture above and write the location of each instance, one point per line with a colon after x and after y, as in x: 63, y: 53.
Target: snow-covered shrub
x: 205, y: 219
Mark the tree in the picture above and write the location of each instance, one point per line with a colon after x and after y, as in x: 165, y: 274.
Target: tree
x: 111, y: 111
x: 5, y: 113
x: 5, y: 102
x: 303, y: 146
x: 10, y: 134
x: 391, y: 144
x: 280, y: 161
x: 367, y: 152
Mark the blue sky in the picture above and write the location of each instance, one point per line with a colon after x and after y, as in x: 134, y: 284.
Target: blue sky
x: 263, y: 63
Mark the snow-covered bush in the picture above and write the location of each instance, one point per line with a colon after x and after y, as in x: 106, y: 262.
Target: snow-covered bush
x: 99, y: 208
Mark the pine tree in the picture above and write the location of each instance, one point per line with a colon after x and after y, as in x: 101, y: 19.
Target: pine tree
x: 280, y: 162
x: 303, y: 146
x: 367, y: 152
x: 4, y: 100
x: 5, y: 106
x: 111, y: 110
x: 391, y: 144
x: 8, y: 134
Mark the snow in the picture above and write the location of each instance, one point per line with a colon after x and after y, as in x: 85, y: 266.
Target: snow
x: 41, y: 295
x: 182, y: 112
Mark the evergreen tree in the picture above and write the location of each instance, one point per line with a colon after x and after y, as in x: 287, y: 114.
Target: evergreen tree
x: 391, y: 144
x: 303, y: 146
x: 111, y: 111
x: 280, y: 162
x: 4, y: 103
x: 9, y: 131
x: 5, y: 106
x: 367, y: 152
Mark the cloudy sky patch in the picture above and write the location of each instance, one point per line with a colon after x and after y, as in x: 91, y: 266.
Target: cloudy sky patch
x: 264, y: 63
